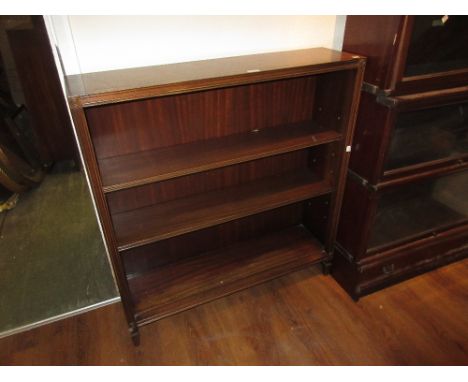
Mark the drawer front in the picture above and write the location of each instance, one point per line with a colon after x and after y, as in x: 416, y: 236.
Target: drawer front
x: 400, y: 263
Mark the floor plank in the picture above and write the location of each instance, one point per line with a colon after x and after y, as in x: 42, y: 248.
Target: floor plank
x: 300, y: 319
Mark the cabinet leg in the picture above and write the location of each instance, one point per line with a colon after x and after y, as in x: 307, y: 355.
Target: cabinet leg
x: 326, y: 267
x: 135, y: 334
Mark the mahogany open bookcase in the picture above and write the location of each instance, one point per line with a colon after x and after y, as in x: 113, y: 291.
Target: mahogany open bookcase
x: 213, y: 176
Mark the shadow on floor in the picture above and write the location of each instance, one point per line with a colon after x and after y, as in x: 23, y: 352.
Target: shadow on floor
x: 52, y: 258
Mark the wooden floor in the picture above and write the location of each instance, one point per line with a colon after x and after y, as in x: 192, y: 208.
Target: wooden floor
x: 301, y: 319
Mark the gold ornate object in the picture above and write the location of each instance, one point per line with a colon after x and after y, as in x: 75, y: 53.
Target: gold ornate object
x: 10, y: 203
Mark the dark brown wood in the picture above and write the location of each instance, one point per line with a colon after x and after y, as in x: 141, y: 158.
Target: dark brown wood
x: 315, y: 216
x: 423, y: 217
x: 199, y: 116
x: 144, y: 259
x: 401, y: 44
x: 431, y: 169
x: 218, y: 179
x: 190, y: 161
x: 303, y: 318
x: 181, y: 285
x: 374, y: 37
x: 417, y: 101
x: 371, y: 135
x: 150, y: 166
x: 427, y: 82
x: 350, y: 91
x: 403, y: 204
x: 165, y: 220
x: 400, y: 263
x: 92, y: 170
x: 426, y: 235
x: 130, y: 84
x: 376, y: 125
x: 359, y: 206
x: 421, y: 170
x: 385, y: 40
x: 42, y: 89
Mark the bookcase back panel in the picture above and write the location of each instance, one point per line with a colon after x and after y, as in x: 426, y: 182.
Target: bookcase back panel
x: 129, y: 127
x: 142, y: 259
x: 217, y: 179
x: 316, y: 215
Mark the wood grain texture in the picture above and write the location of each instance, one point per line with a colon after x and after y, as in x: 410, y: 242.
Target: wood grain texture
x: 343, y: 115
x: 137, y: 83
x: 183, y: 284
x: 431, y: 170
x: 303, y: 318
x: 104, y: 216
x: 373, y: 37
x: 384, y: 268
x: 216, y: 180
x: 155, y: 123
x: 188, y: 105
x: 162, y: 221
x: 144, y: 167
x: 422, y: 100
x: 144, y: 259
x: 388, y: 131
x: 358, y: 210
x: 385, y: 40
x: 371, y: 138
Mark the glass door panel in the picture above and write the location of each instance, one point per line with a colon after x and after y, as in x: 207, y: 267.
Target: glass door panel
x: 418, y: 208
x: 438, y: 44
x: 426, y: 135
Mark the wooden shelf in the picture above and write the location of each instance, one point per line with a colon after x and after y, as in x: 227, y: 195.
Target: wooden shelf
x: 198, y: 168
x: 183, y: 284
x: 145, y: 167
x: 165, y: 220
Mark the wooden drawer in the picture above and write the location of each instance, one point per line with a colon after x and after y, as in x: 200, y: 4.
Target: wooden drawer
x: 389, y: 267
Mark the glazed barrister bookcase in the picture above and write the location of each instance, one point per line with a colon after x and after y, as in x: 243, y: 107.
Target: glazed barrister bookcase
x: 405, y: 208
x: 216, y: 175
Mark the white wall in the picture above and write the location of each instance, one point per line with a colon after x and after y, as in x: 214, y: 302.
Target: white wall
x: 97, y: 43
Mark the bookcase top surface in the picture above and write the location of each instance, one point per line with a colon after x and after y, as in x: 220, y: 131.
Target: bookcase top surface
x: 133, y: 83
